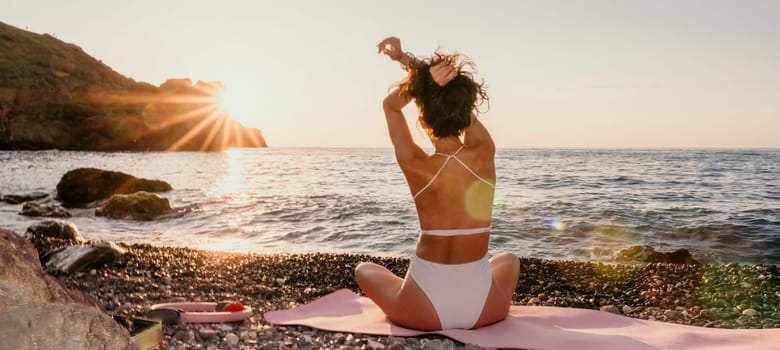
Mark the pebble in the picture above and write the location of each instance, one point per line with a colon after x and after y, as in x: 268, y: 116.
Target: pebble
x: 610, y: 308
x: 431, y: 344
x: 184, y: 335
x: 231, y: 339
x: 670, y: 315
x: 750, y: 312
x: 208, y: 334
x: 375, y: 345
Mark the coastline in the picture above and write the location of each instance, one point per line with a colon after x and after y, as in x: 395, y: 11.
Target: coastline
x: 723, y: 296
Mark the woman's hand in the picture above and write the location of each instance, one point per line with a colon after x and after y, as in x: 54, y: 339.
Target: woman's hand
x: 443, y: 72
x: 391, y: 47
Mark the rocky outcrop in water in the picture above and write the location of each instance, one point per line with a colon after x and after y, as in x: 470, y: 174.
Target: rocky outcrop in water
x: 677, y: 256
x: 648, y: 254
x: 136, y: 206
x: 46, y: 210
x: 54, y: 95
x: 21, y: 198
x: 85, y: 185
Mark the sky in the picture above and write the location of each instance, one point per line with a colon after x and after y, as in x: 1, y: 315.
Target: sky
x: 563, y: 74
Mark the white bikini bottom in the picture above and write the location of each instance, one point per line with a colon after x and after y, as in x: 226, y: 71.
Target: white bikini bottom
x: 457, y: 291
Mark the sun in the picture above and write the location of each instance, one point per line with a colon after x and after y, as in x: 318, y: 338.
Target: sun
x: 242, y: 101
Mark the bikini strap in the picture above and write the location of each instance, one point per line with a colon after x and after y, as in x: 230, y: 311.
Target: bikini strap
x: 455, y: 155
x: 450, y: 156
x: 474, y: 173
x: 430, y: 182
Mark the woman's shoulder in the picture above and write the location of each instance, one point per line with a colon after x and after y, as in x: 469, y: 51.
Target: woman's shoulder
x: 479, y: 152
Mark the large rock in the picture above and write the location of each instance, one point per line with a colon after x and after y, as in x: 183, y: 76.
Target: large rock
x: 46, y: 210
x: 49, y: 234
x: 54, y: 229
x: 137, y: 206
x: 76, y: 258
x: 38, y: 312
x: 85, y: 185
x: 55, y: 95
x: 22, y: 280
x: 60, y: 326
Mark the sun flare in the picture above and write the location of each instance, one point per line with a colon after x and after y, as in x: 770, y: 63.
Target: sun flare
x: 241, y: 102
x: 194, y: 118
x: 227, y: 102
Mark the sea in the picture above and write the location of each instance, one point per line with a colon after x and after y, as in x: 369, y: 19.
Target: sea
x: 723, y: 205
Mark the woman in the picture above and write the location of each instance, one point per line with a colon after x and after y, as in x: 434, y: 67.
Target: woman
x: 450, y: 282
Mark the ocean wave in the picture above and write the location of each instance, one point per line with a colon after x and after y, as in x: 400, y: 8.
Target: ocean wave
x: 561, y: 204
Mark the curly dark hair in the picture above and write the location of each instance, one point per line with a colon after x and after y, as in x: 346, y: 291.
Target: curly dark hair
x: 445, y: 109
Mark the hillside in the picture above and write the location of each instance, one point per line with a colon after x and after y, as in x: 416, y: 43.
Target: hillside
x: 53, y: 95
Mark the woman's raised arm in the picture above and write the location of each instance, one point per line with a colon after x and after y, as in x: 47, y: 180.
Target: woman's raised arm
x: 391, y: 46
x: 403, y: 143
x: 477, y: 135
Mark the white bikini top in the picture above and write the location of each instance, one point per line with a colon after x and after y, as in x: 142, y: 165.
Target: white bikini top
x: 453, y: 232
x: 451, y: 156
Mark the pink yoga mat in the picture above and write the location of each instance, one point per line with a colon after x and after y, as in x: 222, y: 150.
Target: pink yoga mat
x: 537, y: 327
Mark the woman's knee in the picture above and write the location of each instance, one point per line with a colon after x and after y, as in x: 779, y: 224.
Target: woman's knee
x: 505, y: 259
x: 506, y: 255
x: 506, y: 269
x: 364, y: 269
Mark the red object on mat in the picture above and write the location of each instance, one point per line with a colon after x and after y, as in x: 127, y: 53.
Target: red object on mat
x: 206, y: 312
x: 537, y: 327
x: 233, y: 307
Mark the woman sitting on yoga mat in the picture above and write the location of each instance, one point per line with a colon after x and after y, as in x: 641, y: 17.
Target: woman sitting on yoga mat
x: 451, y: 283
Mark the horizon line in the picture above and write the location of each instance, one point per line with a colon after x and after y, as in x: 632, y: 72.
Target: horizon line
x: 777, y: 148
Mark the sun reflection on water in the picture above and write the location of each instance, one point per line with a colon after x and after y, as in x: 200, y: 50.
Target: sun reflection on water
x: 233, y: 182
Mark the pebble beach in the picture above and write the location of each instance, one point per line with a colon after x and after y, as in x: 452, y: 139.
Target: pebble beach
x: 641, y: 178
x: 723, y: 296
